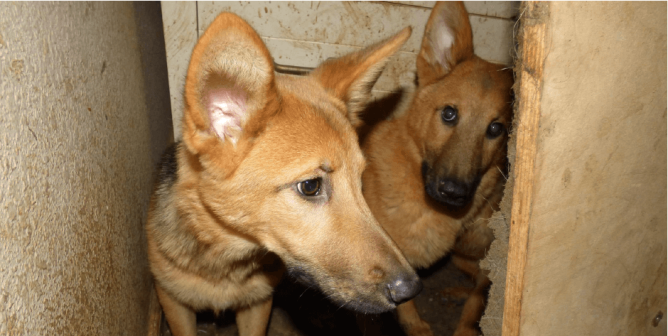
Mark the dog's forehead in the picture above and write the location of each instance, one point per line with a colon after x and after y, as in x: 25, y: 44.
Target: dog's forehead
x: 476, y: 86
x: 311, y: 124
x: 477, y: 77
x: 310, y: 92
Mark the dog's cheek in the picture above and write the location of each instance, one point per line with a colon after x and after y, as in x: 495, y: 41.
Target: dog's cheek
x: 285, y: 219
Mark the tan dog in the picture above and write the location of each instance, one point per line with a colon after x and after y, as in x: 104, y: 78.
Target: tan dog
x: 267, y: 178
x: 435, y: 169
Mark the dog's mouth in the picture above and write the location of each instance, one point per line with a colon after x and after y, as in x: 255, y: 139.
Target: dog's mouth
x: 453, y: 193
x: 354, y: 302
x: 363, y: 298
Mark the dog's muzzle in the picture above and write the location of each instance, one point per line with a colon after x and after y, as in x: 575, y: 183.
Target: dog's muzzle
x: 404, y: 288
x: 451, y: 192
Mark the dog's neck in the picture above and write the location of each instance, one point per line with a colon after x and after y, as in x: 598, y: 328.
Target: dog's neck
x: 202, y: 241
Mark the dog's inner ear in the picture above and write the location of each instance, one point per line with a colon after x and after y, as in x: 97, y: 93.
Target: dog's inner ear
x: 226, y: 106
x: 447, y: 41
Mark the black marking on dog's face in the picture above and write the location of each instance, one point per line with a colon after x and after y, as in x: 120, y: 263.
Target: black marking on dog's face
x: 453, y: 193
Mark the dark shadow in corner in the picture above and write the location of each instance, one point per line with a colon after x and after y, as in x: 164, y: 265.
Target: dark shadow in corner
x: 379, y: 110
x: 148, y: 19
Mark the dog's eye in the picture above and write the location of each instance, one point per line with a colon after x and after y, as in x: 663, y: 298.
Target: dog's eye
x: 309, y: 187
x: 449, y: 115
x: 494, y: 130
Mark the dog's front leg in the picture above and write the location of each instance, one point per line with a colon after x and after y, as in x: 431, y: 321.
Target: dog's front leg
x: 181, y: 319
x: 410, y: 320
x: 253, y: 321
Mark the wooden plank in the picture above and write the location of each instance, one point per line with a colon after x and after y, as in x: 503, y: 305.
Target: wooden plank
x: 596, y: 258
x: 488, y: 44
x: 180, y: 30
x: 425, y: 4
x: 399, y: 71
x: 532, y: 56
x: 343, y: 23
x: 499, y: 9
x: 358, y: 24
x: 306, y: 33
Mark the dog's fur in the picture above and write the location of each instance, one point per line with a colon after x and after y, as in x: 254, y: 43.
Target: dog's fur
x: 434, y: 184
x: 230, y: 211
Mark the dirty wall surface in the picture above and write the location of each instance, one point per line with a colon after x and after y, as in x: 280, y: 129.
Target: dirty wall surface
x: 75, y: 170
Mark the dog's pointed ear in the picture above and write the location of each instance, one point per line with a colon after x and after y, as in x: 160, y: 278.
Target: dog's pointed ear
x: 229, y: 87
x: 447, y: 41
x: 351, y: 77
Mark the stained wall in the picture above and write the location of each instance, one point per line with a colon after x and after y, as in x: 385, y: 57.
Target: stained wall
x: 305, y: 33
x: 76, y: 162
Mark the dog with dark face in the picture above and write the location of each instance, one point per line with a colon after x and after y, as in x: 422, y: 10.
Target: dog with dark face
x: 268, y: 179
x: 435, y: 171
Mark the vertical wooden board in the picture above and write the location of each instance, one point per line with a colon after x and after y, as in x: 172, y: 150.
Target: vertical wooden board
x: 597, y: 241
x: 529, y: 90
x: 180, y: 30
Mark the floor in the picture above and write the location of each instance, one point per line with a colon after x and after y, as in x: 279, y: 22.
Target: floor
x: 301, y: 312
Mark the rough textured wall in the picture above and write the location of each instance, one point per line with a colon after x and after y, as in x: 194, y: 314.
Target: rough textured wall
x: 75, y: 170
x: 596, y: 261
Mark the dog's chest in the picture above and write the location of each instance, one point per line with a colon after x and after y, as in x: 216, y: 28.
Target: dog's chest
x: 224, y: 293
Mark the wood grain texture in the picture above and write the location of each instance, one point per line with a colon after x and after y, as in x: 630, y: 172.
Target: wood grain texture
x: 530, y: 70
x: 358, y: 24
x: 500, y: 9
x: 596, y: 258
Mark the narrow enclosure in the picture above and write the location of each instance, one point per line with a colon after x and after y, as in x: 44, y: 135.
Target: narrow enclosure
x: 580, y: 238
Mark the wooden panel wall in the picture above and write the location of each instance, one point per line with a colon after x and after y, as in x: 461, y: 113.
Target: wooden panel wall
x: 595, y: 247
x: 306, y: 33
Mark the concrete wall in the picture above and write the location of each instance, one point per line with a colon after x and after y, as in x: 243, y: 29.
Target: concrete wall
x: 596, y: 258
x: 76, y: 164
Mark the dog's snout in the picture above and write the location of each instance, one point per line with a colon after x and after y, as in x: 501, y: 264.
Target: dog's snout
x: 456, y: 192
x: 404, y: 288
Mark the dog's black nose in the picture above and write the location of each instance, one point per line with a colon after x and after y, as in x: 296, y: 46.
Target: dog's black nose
x: 404, y: 288
x: 454, y: 193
